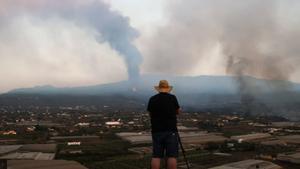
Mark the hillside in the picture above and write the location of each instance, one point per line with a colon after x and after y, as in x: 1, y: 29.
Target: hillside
x: 219, y: 93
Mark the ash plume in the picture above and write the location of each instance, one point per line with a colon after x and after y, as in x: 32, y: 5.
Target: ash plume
x: 250, y: 34
x: 261, y: 35
x: 106, y: 25
x: 115, y: 29
x: 255, y: 38
x: 248, y: 45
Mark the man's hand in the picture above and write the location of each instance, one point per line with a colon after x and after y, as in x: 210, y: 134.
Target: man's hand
x: 178, y: 111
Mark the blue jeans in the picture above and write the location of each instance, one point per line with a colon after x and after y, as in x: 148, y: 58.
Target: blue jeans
x: 165, y: 143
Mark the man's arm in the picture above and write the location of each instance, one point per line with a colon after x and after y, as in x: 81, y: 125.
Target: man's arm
x: 149, y: 106
x: 178, y: 109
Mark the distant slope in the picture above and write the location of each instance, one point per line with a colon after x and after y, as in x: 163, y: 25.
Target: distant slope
x: 182, y: 84
x: 194, y: 93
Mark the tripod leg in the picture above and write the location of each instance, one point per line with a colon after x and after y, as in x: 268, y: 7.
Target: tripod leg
x: 183, y: 151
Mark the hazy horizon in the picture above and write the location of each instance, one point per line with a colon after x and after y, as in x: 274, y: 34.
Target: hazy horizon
x: 89, y: 42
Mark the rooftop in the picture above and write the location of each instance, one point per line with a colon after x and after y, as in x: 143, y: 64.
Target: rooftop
x: 249, y: 164
x: 73, y: 137
x: 45, y: 148
x: 187, y: 137
x: 9, y: 148
x: 44, y: 164
x: 254, y: 136
x: 29, y: 156
x: 290, y: 157
x: 293, y: 139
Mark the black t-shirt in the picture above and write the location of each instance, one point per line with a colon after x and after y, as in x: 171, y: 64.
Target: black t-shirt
x: 163, y: 108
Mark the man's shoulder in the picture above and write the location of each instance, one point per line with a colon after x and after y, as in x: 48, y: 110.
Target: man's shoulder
x: 159, y: 95
x: 171, y: 95
x: 154, y: 96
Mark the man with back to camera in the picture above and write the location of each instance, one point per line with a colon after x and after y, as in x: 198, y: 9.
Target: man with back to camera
x: 164, y: 108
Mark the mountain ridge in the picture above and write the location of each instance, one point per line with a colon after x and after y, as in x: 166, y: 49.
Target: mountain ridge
x: 201, y: 93
x: 188, y: 84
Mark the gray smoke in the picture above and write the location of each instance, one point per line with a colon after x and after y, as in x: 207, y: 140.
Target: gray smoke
x: 110, y: 26
x: 256, y: 38
x: 115, y: 29
x: 252, y: 40
x: 261, y: 36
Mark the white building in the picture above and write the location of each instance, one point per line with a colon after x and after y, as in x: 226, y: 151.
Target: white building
x: 251, y: 137
x: 112, y: 124
x: 74, y: 143
x: 10, y: 132
x: 83, y: 124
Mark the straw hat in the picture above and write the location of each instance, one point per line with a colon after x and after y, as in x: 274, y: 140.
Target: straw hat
x: 163, y: 86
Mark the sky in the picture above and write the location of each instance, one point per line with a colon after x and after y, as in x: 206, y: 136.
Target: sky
x: 88, y: 42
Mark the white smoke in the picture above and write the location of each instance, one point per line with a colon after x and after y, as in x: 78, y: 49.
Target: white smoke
x: 70, y: 42
x: 263, y: 36
x: 44, y: 52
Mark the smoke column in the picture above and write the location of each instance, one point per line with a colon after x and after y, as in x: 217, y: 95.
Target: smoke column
x: 260, y: 35
x: 109, y: 26
x: 256, y: 38
x: 248, y: 40
x: 115, y: 29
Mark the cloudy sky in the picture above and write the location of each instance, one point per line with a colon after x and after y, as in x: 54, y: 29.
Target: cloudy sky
x: 86, y: 42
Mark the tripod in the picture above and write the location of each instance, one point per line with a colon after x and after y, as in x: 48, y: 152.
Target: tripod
x: 183, y: 151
